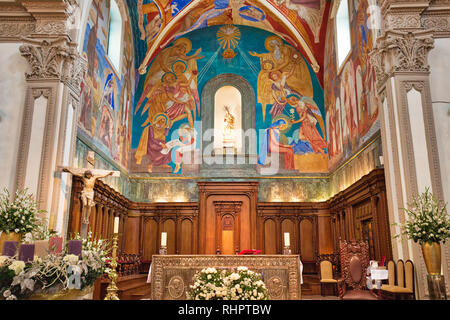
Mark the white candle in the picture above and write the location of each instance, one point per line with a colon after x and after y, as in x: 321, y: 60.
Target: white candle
x: 287, y: 240
x: 116, y: 225
x: 163, y: 239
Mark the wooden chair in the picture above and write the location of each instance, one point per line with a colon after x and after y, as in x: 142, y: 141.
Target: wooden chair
x: 354, y: 256
x: 391, y: 274
x: 405, y: 288
x: 326, y: 277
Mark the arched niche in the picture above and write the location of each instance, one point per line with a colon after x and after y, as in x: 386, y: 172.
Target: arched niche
x: 227, y: 107
x: 247, y: 106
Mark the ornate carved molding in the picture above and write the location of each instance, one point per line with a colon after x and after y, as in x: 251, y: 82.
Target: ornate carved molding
x: 46, y: 57
x: 170, y: 267
x: 37, y: 18
x: 403, y: 15
x: 398, y: 51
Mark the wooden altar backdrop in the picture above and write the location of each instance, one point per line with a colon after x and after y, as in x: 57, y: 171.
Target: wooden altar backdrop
x: 228, y: 219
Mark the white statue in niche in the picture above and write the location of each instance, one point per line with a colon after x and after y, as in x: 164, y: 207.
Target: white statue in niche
x: 228, y: 129
x: 227, y: 121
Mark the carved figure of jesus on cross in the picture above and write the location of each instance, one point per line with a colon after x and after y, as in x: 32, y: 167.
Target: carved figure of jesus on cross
x: 89, y: 176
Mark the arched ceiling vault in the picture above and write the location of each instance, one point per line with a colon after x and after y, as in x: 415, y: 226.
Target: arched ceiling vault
x: 299, y: 22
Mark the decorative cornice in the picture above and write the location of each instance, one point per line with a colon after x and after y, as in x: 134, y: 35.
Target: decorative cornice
x: 44, y: 19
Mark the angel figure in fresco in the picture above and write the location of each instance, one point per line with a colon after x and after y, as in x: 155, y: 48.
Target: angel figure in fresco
x: 280, y: 90
x: 309, y: 116
x: 220, y: 6
x: 349, y: 103
x: 106, y: 129
x: 153, y: 142
x: 179, y: 104
x: 171, y: 96
x: 331, y: 121
x: 265, y: 86
x: 151, y: 13
x: 181, y: 146
x: 287, y: 60
x: 272, y: 143
x: 165, y: 61
x: 188, y: 86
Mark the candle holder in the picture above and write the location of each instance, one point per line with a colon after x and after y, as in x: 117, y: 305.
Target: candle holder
x: 286, y: 250
x: 112, y: 287
x: 163, y: 250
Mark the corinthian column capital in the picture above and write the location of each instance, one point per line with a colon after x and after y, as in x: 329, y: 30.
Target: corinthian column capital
x: 46, y: 57
x: 401, y: 52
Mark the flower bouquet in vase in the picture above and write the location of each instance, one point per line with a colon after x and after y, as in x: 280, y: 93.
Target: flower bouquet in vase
x: 17, y: 217
x: 428, y: 224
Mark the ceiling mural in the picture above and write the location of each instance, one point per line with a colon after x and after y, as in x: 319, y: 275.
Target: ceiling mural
x: 157, y: 23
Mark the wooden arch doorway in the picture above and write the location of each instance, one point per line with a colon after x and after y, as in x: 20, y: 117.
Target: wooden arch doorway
x: 227, y: 217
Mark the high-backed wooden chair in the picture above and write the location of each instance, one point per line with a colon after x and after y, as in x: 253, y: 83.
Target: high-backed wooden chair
x: 405, y: 287
x: 391, y: 274
x: 354, y: 256
x: 326, y: 277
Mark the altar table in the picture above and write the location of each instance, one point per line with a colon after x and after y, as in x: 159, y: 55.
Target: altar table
x: 171, y: 275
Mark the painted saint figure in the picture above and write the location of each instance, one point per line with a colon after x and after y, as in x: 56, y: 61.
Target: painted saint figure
x: 280, y: 90
x: 309, y: 115
x: 182, y: 146
x: 153, y: 142
x: 271, y: 143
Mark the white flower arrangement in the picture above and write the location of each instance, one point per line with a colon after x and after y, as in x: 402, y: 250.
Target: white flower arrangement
x: 427, y: 219
x: 212, y: 284
x: 52, y: 273
x: 17, y: 266
x: 20, y: 215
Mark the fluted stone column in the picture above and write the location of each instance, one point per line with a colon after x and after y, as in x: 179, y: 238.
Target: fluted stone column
x: 42, y: 32
x: 410, y: 148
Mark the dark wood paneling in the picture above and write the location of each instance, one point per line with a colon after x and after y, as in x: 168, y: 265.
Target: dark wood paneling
x: 363, y: 201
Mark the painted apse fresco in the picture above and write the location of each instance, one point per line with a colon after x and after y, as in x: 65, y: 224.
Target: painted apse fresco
x: 350, y: 94
x: 106, y: 91
x: 289, y: 111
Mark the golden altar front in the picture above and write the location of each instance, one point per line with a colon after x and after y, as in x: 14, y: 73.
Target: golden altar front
x: 172, y: 275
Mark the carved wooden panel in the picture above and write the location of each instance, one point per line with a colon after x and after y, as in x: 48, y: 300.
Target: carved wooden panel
x: 288, y: 225
x: 169, y: 227
x: 363, y: 201
x: 150, y: 235
x: 172, y: 274
x: 306, y: 240
x: 186, y: 237
x: 270, y: 237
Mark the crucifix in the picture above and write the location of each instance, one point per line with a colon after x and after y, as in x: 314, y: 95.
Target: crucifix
x: 89, y: 176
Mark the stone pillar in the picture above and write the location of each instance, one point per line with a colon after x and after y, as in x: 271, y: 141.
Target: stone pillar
x: 51, y: 100
x: 407, y: 125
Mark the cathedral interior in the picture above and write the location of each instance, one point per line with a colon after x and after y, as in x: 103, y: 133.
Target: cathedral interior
x: 223, y: 125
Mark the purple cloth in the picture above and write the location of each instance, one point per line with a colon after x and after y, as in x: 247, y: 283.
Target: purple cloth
x: 9, y: 248
x: 74, y: 247
x: 26, y: 252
